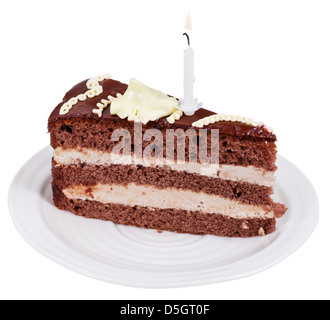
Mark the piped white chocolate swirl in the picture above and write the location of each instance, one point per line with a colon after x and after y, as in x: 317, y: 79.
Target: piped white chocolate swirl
x: 95, y: 89
x: 225, y: 117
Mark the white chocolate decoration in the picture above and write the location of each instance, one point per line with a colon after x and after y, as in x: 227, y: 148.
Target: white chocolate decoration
x: 225, y: 117
x: 141, y: 103
x: 176, y: 115
x: 95, y: 89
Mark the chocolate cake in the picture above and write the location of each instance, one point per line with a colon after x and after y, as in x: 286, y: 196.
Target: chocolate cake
x: 128, y: 154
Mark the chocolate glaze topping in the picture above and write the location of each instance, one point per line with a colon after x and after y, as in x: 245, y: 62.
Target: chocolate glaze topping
x: 84, y: 109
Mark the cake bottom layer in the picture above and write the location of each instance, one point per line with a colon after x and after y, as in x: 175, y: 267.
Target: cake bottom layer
x: 181, y: 221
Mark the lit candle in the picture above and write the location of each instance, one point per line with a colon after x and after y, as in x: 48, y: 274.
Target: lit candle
x: 189, y: 79
x: 189, y: 104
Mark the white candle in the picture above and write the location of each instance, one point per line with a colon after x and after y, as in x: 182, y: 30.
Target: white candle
x: 189, y: 104
x: 189, y: 79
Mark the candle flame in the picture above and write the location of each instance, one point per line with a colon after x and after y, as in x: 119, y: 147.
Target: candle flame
x: 188, y: 25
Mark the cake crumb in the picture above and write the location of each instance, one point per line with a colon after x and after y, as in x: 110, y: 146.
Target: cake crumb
x: 159, y: 231
x: 261, y: 232
x: 245, y: 226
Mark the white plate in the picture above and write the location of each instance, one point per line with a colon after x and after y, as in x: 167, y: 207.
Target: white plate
x: 145, y: 258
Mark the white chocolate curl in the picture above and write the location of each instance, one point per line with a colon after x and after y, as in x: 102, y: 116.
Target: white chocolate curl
x: 141, y: 103
x: 95, y: 89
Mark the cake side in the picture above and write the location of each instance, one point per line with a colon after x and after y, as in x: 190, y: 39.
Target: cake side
x: 229, y: 197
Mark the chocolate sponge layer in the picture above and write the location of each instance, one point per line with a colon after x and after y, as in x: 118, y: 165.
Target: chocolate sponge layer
x: 97, y: 134
x: 180, y: 221
x: 90, y: 175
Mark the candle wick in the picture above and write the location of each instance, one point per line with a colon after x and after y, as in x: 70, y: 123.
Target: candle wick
x: 185, y: 34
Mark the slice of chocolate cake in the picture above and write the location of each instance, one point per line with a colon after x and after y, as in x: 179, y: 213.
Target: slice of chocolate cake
x: 129, y: 155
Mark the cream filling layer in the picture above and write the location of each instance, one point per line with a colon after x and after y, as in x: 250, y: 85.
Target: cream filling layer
x: 167, y: 198
x: 248, y: 174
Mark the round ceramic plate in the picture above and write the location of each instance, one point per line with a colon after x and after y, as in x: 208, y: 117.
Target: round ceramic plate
x: 146, y: 258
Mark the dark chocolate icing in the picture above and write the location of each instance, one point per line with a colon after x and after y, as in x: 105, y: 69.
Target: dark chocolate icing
x: 84, y: 109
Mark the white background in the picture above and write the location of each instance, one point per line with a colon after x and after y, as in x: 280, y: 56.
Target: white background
x: 269, y: 60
